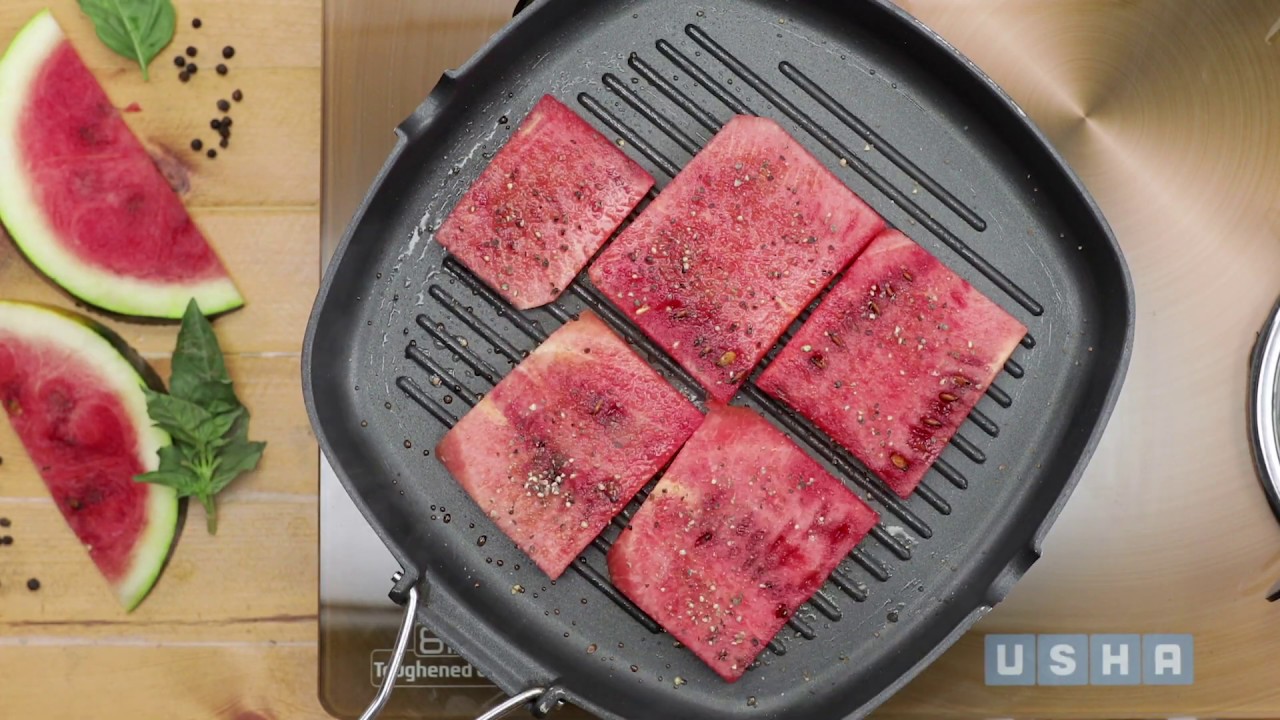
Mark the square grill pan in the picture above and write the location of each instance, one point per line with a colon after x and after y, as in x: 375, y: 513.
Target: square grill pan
x: 404, y: 340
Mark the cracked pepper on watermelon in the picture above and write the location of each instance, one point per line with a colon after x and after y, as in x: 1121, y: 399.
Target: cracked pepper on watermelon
x: 743, y: 239
x: 741, y: 530
x: 894, y: 359
x: 543, y: 207
x: 83, y: 199
x: 561, y: 445
x: 76, y: 402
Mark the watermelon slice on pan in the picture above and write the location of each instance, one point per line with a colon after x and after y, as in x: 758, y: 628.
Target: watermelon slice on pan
x: 742, y: 529
x: 562, y: 444
x: 543, y: 207
x: 894, y: 359
x: 743, y: 239
x: 82, y: 198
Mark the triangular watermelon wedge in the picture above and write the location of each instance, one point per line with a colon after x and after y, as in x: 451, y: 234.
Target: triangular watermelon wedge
x: 73, y: 393
x: 82, y: 198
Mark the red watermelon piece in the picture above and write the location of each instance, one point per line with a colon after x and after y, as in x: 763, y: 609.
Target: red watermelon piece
x: 894, y: 359
x: 733, y: 250
x: 83, y: 199
x: 562, y: 444
x: 74, y: 396
x: 551, y: 197
x: 742, y: 529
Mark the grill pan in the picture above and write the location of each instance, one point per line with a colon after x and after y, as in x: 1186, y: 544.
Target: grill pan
x: 403, y: 340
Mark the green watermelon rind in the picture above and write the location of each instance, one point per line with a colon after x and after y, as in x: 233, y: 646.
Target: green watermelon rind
x: 104, y: 352
x: 26, y: 222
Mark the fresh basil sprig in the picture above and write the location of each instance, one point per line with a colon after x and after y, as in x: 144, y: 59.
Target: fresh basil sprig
x: 208, y: 424
x: 136, y: 29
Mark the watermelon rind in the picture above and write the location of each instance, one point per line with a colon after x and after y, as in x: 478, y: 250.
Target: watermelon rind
x: 101, y: 349
x: 35, y: 237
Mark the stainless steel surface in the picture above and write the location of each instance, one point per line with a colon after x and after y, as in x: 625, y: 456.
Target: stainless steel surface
x: 1166, y: 109
x: 1266, y: 408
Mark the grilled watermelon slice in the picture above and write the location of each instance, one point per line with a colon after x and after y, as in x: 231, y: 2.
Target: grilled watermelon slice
x: 73, y: 394
x: 742, y: 529
x: 562, y: 444
x: 894, y: 359
x: 742, y: 240
x: 551, y: 197
x: 82, y: 198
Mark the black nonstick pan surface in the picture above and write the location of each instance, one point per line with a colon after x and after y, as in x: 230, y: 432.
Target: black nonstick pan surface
x: 403, y: 341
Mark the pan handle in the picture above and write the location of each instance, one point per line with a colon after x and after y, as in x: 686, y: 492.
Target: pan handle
x: 397, y: 658
x: 397, y: 654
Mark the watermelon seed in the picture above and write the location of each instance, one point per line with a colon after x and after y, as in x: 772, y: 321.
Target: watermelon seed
x: 635, y: 668
x: 898, y: 461
x: 591, y: 649
x: 947, y: 397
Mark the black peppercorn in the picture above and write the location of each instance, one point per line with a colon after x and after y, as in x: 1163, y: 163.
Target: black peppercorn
x: 196, y: 23
x: 212, y: 153
x: 5, y: 522
x: 191, y: 51
x: 223, y: 105
x: 191, y: 68
x: 224, y: 142
x: 215, y: 124
x: 33, y: 584
x: 222, y: 69
x: 184, y: 76
x: 226, y: 122
x: 179, y: 61
x: 228, y: 52
x: 6, y: 540
x: 237, y: 96
x: 197, y: 145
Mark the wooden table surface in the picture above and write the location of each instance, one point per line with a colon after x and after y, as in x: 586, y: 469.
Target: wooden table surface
x: 229, y: 630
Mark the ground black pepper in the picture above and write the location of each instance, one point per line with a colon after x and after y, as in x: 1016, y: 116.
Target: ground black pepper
x: 228, y: 52
x: 191, y: 51
x: 196, y: 23
x: 237, y: 96
x: 197, y: 145
x: 212, y: 154
x: 223, y: 105
x: 179, y: 61
x: 222, y: 69
x: 33, y: 584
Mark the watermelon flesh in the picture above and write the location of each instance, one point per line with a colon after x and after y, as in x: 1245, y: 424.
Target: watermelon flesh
x: 894, y: 359
x: 538, y: 213
x: 742, y: 529
x: 77, y: 406
x: 562, y: 444
x: 83, y: 199
x: 733, y: 250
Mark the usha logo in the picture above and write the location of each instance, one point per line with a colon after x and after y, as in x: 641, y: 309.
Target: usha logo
x: 1090, y: 659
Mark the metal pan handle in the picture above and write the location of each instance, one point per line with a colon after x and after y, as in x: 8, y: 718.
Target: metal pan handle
x: 397, y: 657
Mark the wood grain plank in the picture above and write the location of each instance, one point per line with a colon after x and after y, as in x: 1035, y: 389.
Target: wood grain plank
x: 271, y: 254
x: 271, y: 389
x: 193, y: 682
x: 261, y: 564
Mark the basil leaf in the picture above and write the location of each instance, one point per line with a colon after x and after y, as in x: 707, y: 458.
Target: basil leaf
x: 136, y: 29
x: 182, y: 481
x: 199, y: 372
x: 212, y: 431
x: 180, y: 418
x: 237, y: 458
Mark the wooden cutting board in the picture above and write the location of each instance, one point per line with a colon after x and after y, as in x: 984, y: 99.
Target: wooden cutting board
x: 229, y: 631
